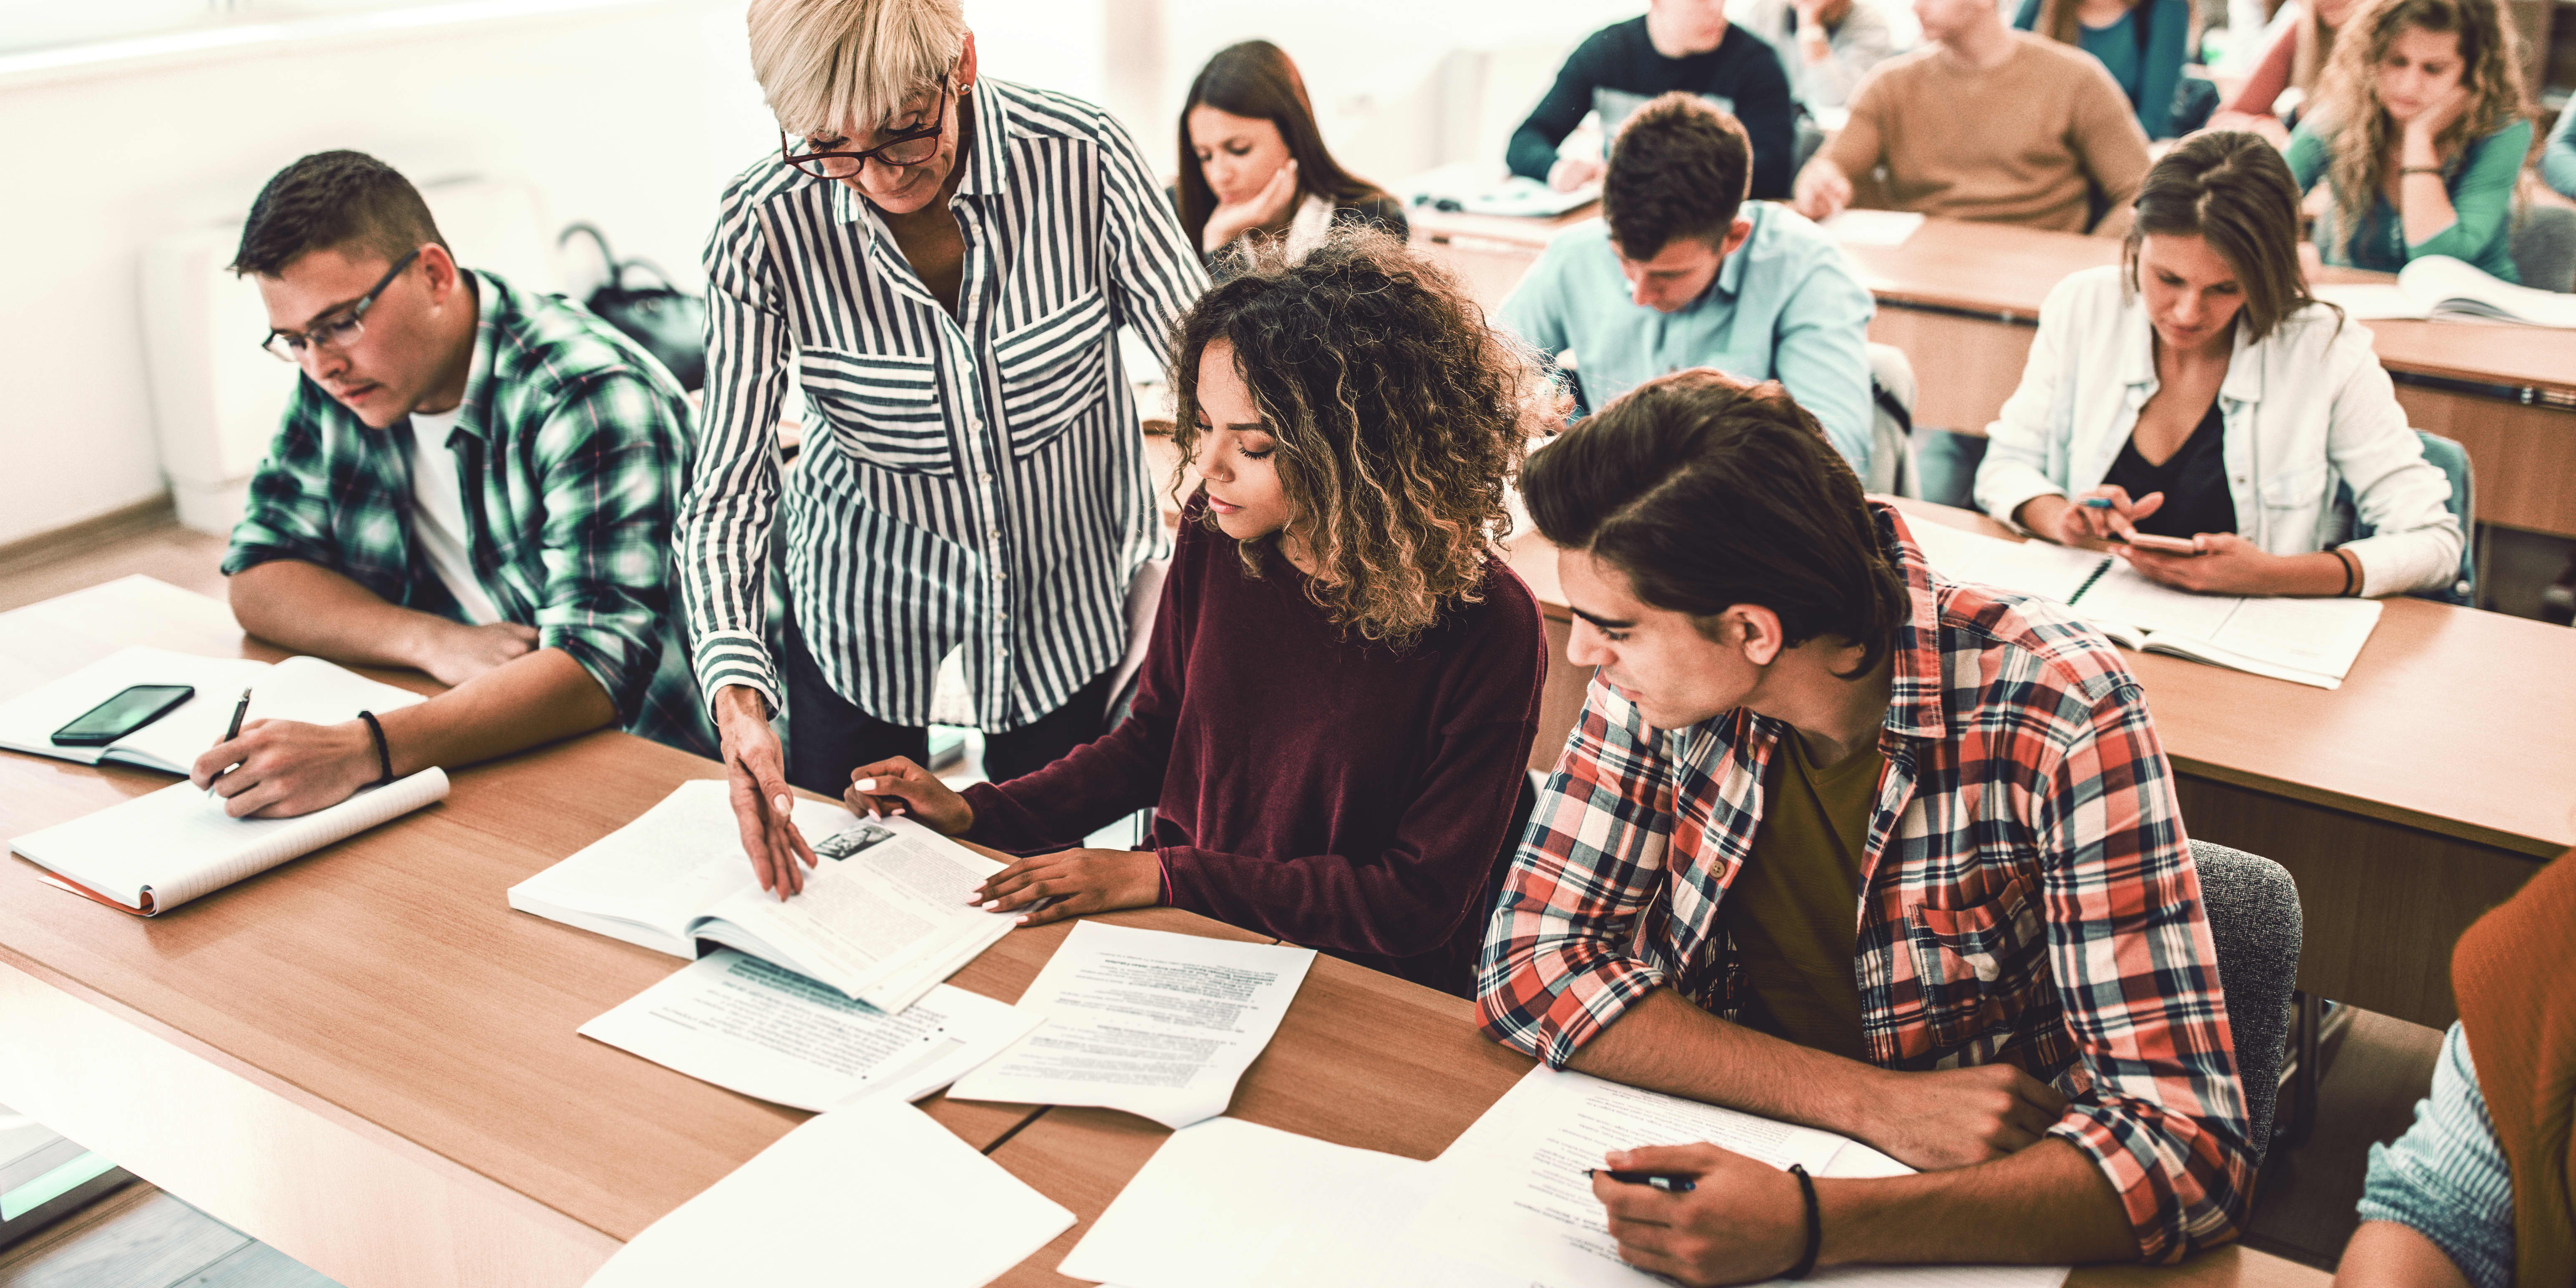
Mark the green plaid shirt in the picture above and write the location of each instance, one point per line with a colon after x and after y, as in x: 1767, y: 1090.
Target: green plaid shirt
x: 573, y: 447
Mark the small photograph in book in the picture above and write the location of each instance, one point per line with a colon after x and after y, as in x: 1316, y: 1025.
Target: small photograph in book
x: 843, y: 844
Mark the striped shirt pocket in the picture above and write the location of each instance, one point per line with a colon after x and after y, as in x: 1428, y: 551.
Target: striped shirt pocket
x: 1053, y: 370
x: 882, y: 409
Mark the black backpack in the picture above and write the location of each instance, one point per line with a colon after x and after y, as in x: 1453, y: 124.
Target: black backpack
x: 669, y: 323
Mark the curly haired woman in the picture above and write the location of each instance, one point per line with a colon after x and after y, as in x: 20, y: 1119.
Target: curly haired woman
x: 2421, y: 131
x: 1341, y: 690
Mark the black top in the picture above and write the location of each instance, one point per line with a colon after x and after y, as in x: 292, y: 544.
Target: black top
x: 2193, y: 479
x: 1743, y: 73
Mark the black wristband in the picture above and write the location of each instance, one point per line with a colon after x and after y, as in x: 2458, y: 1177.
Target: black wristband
x: 384, y: 756
x: 1815, y: 1225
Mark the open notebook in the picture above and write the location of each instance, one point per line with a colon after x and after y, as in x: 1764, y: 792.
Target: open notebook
x: 883, y: 917
x: 160, y: 850
x: 306, y: 689
x: 2310, y: 641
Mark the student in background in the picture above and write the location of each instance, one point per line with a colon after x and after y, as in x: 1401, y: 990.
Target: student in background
x: 1334, y: 718
x: 1840, y: 842
x: 2142, y: 43
x: 1825, y: 45
x: 1988, y: 124
x: 2558, y: 160
x: 2420, y: 133
x: 1682, y: 271
x: 2296, y: 59
x: 1254, y: 165
x: 942, y: 260
x: 1685, y: 45
x: 471, y: 480
x: 2476, y: 1192
x: 2198, y: 391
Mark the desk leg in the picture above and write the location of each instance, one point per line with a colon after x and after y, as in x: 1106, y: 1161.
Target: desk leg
x: 333, y: 1191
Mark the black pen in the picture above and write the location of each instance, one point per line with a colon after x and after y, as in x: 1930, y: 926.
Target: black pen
x: 1670, y: 1183
x: 240, y: 709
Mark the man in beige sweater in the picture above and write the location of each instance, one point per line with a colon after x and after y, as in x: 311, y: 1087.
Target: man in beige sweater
x: 1987, y: 123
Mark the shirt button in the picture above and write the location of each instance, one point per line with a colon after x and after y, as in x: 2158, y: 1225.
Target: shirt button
x: 988, y: 476
x: 994, y: 533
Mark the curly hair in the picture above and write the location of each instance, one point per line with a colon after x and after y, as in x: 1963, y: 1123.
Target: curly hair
x: 2490, y: 68
x: 1399, y: 415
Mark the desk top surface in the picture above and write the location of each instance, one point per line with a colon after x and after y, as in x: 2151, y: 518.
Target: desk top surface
x: 2453, y: 720
x: 2007, y: 271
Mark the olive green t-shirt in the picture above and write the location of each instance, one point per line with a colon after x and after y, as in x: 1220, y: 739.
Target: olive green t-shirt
x: 1794, y: 911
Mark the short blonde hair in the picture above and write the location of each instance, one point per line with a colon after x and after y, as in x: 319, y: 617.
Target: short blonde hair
x: 831, y: 64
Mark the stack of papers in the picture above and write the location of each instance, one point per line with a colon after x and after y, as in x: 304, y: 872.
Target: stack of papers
x: 885, y: 916
x: 767, y: 1032
x: 873, y: 1194
x: 1157, y: 1024
x: 305, y: 689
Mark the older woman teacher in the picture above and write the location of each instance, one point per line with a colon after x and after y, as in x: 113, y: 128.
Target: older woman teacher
x: 943, y: 261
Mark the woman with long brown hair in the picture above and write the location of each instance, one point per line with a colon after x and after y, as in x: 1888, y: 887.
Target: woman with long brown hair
x: 2296, y: 59
x: 1337, y: 704
x: 2420, y: 130
x: 1253, y: 162
x: 2197, y: 395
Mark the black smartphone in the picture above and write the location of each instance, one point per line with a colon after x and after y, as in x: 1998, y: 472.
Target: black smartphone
x: 122, y: 714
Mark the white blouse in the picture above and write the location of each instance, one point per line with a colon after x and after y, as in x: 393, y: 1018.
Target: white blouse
x: 2304, y: 409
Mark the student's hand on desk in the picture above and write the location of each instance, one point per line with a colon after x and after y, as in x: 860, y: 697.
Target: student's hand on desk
x: 1821, y: 190
x: 762, y: 805
x: 2227, y: 565
x: 1744, y: 1223
x: 1570, y: 173
x: 1949, y: 1118
x: 453, y: 652
x: 899, y: 786
x: 283, y: 768
x: 1089, y: 881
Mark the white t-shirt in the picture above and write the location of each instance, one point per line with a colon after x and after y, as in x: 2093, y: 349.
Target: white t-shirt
x: 438, y: 514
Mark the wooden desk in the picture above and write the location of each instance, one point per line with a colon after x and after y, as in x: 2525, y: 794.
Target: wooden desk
x: 2406, y: 803
x: 364, y: 1057
x: 1374, y: 1062
x: 1962, y: 300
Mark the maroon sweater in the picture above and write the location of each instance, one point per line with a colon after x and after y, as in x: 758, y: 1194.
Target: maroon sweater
x: 1332, y: 792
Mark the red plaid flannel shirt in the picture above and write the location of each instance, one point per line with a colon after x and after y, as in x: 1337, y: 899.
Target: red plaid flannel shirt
x: 2028, y: 895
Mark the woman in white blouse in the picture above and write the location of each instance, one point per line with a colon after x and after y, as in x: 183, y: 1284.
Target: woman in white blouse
x: 2198, y: 396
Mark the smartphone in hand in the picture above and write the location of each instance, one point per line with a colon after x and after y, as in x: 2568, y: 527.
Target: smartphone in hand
x: 2163, y: 545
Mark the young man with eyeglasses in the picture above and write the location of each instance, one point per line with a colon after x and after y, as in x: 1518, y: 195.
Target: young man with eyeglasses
x: 471, y: 480
x: 942, y: 261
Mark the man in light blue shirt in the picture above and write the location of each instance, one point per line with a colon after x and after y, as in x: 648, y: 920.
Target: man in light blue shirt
x: 1681, y: 271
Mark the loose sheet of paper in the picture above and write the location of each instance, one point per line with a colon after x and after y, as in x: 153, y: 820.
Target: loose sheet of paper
x: 765, y: 1031
x: 1158, y: 1024
x: 1857, y: 227
x: 873, y: 1194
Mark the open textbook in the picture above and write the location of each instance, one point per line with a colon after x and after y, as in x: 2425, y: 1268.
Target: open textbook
x: 877, y: 1193
x: 2310, y: 641
x: 160, y: 850
x: 2451, y: 290
x: 883, y: 917
x: 770, y: 1033
x: 306, y: 689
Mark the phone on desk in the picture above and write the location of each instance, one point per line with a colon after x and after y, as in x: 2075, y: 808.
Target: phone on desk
x: 2162, y: 545
x: 122, y: 714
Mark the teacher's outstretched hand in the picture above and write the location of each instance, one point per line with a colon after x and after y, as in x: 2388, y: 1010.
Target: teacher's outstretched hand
x: 762, y: 803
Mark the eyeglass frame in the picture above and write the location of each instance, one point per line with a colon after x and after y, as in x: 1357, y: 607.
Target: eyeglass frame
x: 357, y: 318
x: 937, y: 127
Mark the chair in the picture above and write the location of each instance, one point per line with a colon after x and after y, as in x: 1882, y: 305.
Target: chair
x: 1945, y: 467
x: 1891, y: 422
x: 2253, y: 910
x: 2544, y: 247
x: 2453, y: 461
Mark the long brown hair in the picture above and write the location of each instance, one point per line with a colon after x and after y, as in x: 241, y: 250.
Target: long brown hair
x: 2490, y: 67
x: 1399, y: 417
x: 2057, y: 18
x: 1256, y: 79
x: 2235, y: 192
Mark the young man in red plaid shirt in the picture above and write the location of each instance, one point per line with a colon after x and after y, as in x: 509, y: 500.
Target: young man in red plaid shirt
x: 1794, y: 718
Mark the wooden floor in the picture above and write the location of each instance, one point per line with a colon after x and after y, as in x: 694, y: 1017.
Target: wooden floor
x: 143, y: 1238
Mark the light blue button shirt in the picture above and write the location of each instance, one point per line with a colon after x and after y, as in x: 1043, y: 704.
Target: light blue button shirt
x: 1786, y: 306
x: 2447, y: 1177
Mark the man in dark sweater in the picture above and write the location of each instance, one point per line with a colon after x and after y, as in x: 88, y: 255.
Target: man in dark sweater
x: 1685, y: 45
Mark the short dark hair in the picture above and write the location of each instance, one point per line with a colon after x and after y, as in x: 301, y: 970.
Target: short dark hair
x: 1709, y: 492
x: 1679, y: 168
x: 333, y: 200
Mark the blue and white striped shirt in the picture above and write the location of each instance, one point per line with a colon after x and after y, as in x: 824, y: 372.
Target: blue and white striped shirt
x: 976, y: 481
x: 2447, y: 1177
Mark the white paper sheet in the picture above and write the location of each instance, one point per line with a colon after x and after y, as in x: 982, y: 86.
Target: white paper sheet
x: 676, y: 860
x: 1512, y: 1193
x: 873, y: 1194
x: 765, y: 1031
x: 1872, y: 227
x: 1158, y: 1024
